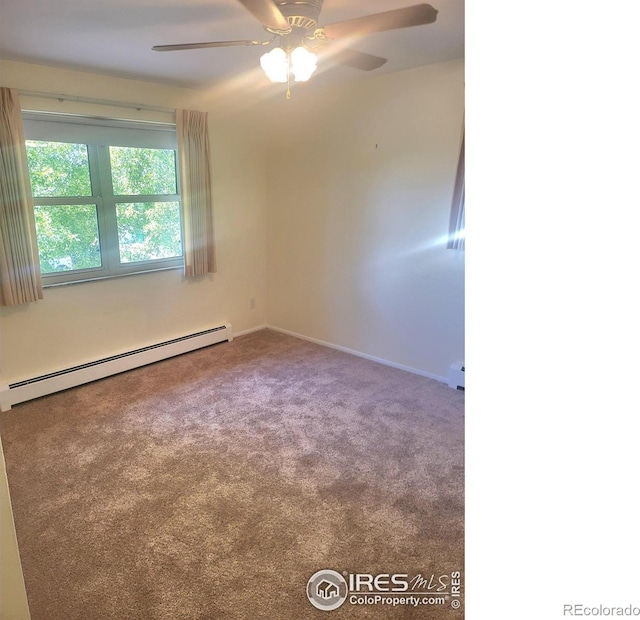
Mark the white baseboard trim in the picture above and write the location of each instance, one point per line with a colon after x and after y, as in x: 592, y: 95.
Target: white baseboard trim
x: 366, y: 356
x: 249, y: 331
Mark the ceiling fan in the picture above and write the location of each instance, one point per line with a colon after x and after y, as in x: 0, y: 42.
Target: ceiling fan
x: 294, y: 26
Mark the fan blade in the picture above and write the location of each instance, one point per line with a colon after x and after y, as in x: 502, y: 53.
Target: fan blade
x: 378, y: 22
x: 357, y: 60
x: 197, y: 46
x: 267, y: 13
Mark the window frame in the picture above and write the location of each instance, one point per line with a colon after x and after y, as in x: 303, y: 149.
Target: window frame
x: 105, y: 201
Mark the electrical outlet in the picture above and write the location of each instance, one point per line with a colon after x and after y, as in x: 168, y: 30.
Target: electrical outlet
x: 252, y: 303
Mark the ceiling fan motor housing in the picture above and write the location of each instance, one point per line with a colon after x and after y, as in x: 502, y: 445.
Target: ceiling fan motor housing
x: 301, y: 13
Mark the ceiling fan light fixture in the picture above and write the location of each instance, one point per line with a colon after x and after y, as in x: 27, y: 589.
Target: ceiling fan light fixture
x: 303, y: 64
x: 275, y: 64
x: 278, y: 63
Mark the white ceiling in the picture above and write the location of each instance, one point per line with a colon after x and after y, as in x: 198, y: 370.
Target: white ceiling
x: 115, y: 37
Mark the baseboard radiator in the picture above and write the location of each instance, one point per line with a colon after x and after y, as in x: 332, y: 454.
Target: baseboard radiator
x: 59, y: 380
x: 456, y: 376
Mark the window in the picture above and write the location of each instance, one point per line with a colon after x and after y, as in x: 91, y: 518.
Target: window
x: 106, y: 200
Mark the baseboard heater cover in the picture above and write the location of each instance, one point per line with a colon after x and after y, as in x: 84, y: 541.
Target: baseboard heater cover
x: 456, y: 376
x: 59, y: 380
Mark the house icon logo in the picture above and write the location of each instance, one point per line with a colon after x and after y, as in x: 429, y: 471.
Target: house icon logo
x: 327, y: 590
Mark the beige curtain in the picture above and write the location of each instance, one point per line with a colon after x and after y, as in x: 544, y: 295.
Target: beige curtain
x: 20, y: 280
x: 195, y: 191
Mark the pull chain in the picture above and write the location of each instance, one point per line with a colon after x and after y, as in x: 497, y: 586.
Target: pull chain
x: 288, y: 77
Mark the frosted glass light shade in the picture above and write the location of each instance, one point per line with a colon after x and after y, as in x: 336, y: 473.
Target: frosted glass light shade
x: 275, y: 64
x: 303, y: 64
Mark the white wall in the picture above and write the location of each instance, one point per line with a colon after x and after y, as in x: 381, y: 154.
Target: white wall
x: 87, y: 321
x: 360, y: 187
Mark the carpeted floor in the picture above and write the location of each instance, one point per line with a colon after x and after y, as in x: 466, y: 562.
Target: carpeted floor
x: 213, y: 485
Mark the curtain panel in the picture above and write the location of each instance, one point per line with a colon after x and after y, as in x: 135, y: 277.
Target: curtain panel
x: 456, y: 224
x: 20, y: 280
x: 195, y: 192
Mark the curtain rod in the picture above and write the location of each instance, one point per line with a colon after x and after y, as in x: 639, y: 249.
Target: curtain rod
x: 76, y: 98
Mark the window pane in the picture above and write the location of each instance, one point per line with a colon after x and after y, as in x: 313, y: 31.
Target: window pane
x: 142, y: 171
x: 58, y: 169
x: 148, y: 230
x: 67, y: 237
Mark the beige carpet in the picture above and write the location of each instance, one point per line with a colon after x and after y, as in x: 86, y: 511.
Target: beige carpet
x: 213, y: 485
